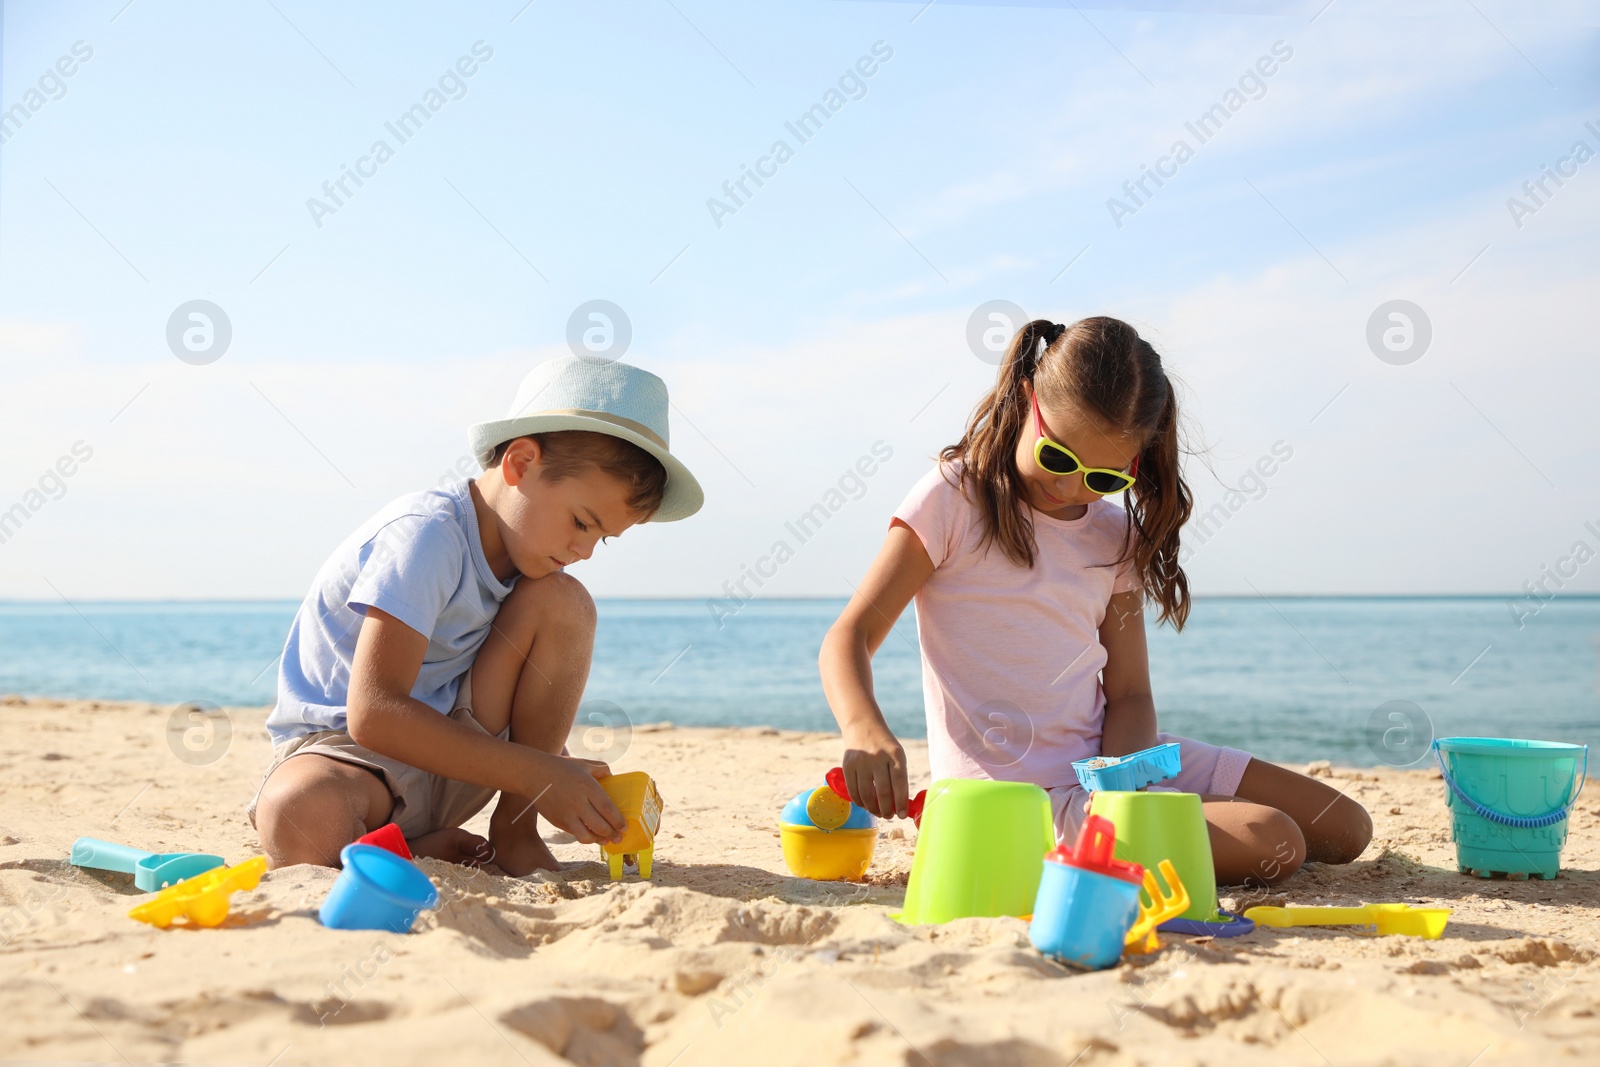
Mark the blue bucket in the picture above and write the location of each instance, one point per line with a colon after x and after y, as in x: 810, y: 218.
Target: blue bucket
x: 377, y: 890
x: 1081, y: 917
x: 1509, y: 801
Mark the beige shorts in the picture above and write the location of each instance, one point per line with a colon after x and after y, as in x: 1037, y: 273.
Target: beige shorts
x: 423, y: 801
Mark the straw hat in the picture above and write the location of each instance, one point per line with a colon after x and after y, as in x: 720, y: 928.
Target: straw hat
x: 602, y: 396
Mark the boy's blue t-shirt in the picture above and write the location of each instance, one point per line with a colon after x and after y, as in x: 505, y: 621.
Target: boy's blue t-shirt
x: 419, y: 559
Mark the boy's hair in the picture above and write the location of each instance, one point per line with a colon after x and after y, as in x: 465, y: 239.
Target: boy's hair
x: 567, y: 453
x: 1103, y: 366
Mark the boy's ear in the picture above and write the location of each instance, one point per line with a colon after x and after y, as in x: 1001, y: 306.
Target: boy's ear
x: 522, y: 460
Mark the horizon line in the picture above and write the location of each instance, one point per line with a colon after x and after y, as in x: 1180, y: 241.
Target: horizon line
x: 666, y: 598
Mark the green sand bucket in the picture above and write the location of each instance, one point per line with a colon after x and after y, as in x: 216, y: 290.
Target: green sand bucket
x: 1509, y: 801
x: 980, y: 851
x: 1152, y: 827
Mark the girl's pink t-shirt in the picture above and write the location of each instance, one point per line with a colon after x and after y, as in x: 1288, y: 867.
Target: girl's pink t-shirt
x: 1011, y: 656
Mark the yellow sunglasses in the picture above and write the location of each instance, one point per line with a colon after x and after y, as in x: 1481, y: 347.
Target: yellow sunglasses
x: 1059, y: 460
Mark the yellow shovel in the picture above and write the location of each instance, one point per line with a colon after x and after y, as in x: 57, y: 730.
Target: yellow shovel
x: 1383, y: 918
x: 204, y: 899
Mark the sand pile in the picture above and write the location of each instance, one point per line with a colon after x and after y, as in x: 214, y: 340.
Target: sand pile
x: 724, y: 957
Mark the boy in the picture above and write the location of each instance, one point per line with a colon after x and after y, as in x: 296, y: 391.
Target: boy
x: 442, y: 651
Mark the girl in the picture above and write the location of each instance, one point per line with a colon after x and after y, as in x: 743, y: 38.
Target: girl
x: 1030, y: 588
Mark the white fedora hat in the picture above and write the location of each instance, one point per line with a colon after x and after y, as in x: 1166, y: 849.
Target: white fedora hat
x: 602, y: 396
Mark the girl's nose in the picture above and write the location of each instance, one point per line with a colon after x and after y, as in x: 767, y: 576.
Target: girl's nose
x: 1069, y: 488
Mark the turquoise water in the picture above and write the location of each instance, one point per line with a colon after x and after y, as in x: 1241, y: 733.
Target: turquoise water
x: 1287, y: 679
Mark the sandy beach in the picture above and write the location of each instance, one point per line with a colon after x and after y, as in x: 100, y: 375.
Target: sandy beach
x: 724, y: 957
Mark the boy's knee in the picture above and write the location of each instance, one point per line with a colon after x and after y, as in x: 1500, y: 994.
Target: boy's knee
x: 554, y: 599
x: 307, y: 817
x: 570, y: 598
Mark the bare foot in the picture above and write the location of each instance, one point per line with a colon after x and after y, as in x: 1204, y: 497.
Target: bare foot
x: 454, y: 845
x: 519, y: 854
x: 519, y: 848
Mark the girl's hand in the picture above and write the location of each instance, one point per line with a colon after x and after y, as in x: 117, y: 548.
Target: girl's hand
x: 874, y: 763
x: 875, y: 772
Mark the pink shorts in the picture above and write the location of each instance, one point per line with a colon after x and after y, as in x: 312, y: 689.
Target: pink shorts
x: 1210, y: 769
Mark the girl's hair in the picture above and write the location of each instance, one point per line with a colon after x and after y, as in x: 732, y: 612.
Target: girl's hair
x: 1102, y: 366
x: 568, y: 453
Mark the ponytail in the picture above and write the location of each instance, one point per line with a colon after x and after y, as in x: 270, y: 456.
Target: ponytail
x: 989, y: 477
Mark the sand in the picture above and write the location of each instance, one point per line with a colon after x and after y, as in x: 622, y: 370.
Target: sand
x: 724, y: 957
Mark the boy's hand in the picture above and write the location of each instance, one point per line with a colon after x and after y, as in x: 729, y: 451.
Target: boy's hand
x: 572, y: 799
x: 875, y: 772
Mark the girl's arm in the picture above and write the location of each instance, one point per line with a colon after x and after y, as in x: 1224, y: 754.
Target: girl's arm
x: 874, y: 762
x: 1130, y: 723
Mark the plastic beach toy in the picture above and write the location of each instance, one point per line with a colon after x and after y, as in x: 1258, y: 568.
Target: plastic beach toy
x: 376, y: 890
x: 913, y: 808
x: 203, y: 899
x: 387, y: 836
x: 981, y: 851
x: 1087, y: 900
x: 150, y: 870
x: 1152, y: 827
x: 827, y: 809
x: 835, y: 780
x: 1142, y: 938
x: 1225, y: 924
x: 1383, y: 918
x: 1127, y: 773
x: 1509, y: 800
x: 830, y: 848
x: 635, y: 795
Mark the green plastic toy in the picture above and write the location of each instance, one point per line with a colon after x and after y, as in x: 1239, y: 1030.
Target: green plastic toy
x: 1152, y: 827
x: 980, y: 851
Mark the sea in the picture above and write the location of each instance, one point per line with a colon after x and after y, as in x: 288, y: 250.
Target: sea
x: 1362, y: 681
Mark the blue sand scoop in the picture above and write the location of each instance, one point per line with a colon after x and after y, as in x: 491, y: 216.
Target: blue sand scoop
x: 1127, y: 773
x: 150, y: 870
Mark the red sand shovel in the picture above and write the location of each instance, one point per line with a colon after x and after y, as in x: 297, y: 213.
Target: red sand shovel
x: 836, y: 783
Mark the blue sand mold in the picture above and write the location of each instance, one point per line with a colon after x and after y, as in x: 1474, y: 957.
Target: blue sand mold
x: 1133, y: 771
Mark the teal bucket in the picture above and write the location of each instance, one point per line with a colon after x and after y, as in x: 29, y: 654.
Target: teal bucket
x: 1509, y: 802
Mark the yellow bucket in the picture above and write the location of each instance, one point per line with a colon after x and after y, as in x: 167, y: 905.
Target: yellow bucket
x: 828, y: 855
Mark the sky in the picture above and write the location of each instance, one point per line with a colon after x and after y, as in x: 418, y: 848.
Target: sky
x: 991, y: 154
